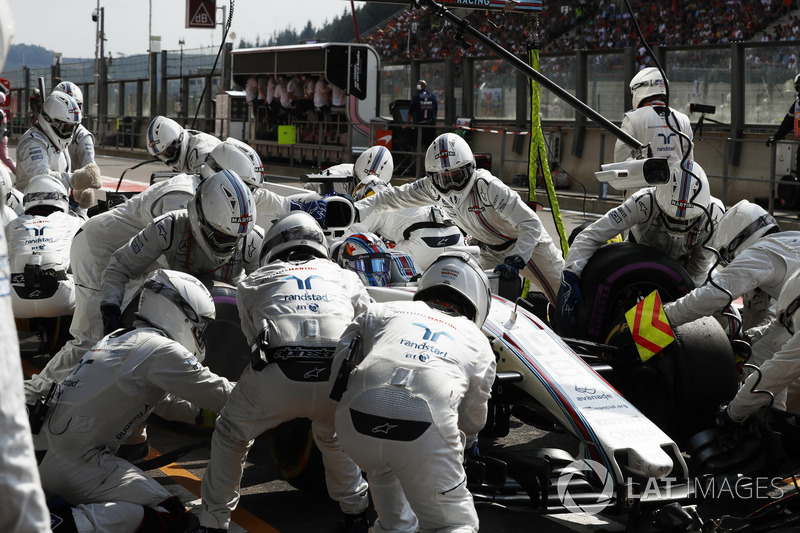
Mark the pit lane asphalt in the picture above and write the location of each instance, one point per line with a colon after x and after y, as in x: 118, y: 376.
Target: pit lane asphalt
x: 269, y: 504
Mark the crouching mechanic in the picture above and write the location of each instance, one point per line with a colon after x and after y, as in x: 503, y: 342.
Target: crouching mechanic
x: 43, y: 150
x: 216, y: 238
x: 496, y: 218
x: 90, y: 253
x: 779, y: 371
x: 293, y: 310
x: 759, y: 256
x: 133, y: 370
x: 38, y: 251
x: 418, y: 396
x: 677, y: 218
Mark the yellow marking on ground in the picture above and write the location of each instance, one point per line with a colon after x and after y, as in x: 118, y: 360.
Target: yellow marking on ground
x: 190, y: 482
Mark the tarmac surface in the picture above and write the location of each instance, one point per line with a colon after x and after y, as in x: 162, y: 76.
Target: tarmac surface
x: 270, y: 504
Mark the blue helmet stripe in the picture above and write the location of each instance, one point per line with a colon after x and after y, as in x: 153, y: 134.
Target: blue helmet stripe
x: 241, y: 196
x: 376, y: 162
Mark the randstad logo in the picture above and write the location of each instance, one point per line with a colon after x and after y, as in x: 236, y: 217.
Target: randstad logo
x: 573, y: 495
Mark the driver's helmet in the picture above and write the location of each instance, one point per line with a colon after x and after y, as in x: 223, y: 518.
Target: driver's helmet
x: 370, y: 187
x: 366, y: 255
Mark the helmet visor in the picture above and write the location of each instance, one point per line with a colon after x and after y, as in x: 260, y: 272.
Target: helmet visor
x: 374, y: 263
x: 170, y: 154
x: 220, y: 242
x: 65, y: 130
x: 452, y: 179
x: 44, y: 196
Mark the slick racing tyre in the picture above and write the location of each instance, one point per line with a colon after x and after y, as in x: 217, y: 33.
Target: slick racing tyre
x: 227, y: 349
x: 291, y: 446
x: 681, y: 388
x: 616, y: 277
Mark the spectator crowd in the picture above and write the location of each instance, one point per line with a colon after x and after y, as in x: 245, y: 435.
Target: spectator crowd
x: 421, y: 34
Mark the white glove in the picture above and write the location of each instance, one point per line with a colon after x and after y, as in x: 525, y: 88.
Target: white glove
x: 85, y: 197
x: 87, y: 177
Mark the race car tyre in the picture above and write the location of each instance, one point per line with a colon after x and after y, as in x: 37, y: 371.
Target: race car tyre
x: 681, y: 388
x: 616, y: 277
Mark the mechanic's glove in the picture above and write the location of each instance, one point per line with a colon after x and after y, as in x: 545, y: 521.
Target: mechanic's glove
x: 472, y: 451
x: 723, y: 419
x: 206, y: 418
x: 112, y: 318
x: 317, y: 209
x: 571, y: 297
x: 771, y: 140
x: 85, y: 197
x: 509, y: 269
x: 87, y: 177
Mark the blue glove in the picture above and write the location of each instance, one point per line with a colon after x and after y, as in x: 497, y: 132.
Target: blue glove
x: 112, y: 318
x: 509, y: 269
x: 571, y: 298
x: 317, y: 209
x: 472, y: 451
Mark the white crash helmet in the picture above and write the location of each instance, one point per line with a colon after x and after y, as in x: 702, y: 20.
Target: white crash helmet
x: 221, y: 212
x: 740, y: 227
x: 685, y: 199
x: 294, y: 231
x: 235, y: 155
x: 647, y: 82
x: 168, y: 141
x: 45, y: 190
x: 59, y: 118
x: 788, y: 302
x: 450, y: 165
x: 366, y: 255
x: 370, y: 187
x: 72, y: 90
x: 457, y: 277
x: 374, y: 162
x: 179, y: 305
